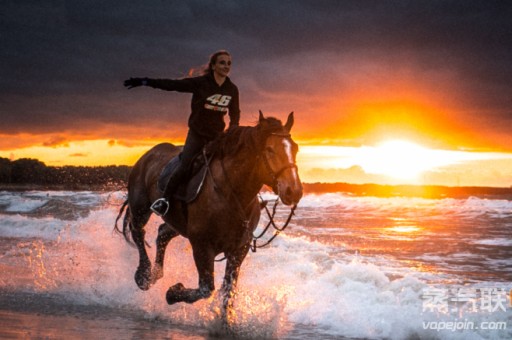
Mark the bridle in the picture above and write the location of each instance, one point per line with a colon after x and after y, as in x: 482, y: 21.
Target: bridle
x: 274, y: 175
x: 241, y: 210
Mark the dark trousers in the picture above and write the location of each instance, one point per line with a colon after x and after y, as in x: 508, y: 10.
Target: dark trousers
x: 193, y: 145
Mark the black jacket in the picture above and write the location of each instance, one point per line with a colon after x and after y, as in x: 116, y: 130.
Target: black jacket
x: 210, y: 102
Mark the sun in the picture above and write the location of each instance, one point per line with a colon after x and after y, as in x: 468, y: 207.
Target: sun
x: 401, y: 159
x: 395, y: 161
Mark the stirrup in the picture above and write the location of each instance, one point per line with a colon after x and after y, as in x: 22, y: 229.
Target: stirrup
x: 156, y: 207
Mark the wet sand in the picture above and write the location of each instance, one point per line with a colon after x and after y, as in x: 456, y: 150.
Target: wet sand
x: 43, y: 316
x: 47, y: 316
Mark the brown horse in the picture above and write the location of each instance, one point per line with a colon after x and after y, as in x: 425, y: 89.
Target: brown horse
x: 225, y: 213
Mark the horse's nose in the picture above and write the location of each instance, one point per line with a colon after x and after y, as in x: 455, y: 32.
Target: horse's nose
x: 292, y: 196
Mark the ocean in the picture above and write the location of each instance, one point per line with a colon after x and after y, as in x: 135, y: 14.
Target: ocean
x: 347, y: 267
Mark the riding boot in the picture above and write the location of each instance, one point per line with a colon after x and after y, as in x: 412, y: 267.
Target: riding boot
x: 161, y: 205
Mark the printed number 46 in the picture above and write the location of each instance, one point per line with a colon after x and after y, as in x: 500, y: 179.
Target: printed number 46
x: 218, y: 99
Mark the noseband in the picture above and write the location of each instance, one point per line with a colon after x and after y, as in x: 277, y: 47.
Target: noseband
x: 276, y: 174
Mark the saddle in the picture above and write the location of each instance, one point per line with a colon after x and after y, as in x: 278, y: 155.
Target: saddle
x: 190, y: 188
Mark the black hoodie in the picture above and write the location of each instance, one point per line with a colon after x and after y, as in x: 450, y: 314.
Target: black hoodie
x: 210, y: 102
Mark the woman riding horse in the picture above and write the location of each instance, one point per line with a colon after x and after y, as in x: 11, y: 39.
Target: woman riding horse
x: 226, y: 211
x: 213, y: 96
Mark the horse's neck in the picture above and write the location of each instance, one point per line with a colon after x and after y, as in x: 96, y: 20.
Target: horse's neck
x: 240, y: 173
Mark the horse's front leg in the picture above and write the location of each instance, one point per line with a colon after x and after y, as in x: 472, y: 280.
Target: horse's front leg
x: 228, y: 290
x: 204, y: 259
x: 143, y: 272
x: 165, y: 234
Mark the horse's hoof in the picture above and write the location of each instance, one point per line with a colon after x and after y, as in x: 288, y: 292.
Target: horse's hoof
x: 143, y: 278
x: 174, y: 294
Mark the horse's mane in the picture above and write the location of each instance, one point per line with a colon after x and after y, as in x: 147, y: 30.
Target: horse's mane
x: 252, y: 137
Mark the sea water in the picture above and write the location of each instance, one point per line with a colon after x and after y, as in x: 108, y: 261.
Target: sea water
x: 346, y: 267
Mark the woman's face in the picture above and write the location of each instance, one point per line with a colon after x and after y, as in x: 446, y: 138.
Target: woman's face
x: 222, y: 66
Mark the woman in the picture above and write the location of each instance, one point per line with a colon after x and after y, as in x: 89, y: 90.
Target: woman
x: 213, y: 95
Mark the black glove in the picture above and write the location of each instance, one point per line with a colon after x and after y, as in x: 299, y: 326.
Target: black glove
x: 134, y: 82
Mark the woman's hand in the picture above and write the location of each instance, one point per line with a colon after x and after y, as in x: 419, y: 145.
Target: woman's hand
x: 134, y: 82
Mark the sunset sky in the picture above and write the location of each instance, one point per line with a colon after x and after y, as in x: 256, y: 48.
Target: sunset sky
x: 383, y: 91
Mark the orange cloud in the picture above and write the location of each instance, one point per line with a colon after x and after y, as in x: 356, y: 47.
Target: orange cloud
x: 56, y: 141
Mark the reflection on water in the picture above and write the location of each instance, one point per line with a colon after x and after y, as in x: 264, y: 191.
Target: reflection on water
x: 469, y: 238
x: 404, y: 229
x: 403, y: 225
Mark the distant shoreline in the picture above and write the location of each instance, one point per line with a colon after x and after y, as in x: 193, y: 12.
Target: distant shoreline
x: 424, y: 191
x: 61, y: 187
x: 376, y: 190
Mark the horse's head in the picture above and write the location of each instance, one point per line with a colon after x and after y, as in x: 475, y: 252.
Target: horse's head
x: 279, y: 152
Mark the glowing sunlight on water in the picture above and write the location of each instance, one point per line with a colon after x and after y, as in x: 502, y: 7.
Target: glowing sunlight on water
x: 404, y: 229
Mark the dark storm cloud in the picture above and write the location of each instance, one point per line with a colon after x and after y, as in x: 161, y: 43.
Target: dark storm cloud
x: 62, y: 63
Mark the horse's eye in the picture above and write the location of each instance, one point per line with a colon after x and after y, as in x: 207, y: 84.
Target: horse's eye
x: 269, y: 150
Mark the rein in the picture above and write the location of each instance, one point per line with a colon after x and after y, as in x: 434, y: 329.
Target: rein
x: 271, y: 222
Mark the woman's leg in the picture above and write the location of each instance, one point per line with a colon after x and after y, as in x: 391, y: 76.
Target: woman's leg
x: 193, y: 145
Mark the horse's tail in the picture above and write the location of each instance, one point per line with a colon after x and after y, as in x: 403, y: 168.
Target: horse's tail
x: 126, y: 222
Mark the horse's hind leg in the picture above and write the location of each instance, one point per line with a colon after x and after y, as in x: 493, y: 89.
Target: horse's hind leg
x: 165, y: 234
x: 143, y: 272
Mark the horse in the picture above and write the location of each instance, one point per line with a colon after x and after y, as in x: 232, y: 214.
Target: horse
x: 225, y: 213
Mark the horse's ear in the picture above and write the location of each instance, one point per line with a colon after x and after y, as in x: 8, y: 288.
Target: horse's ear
x: 289, y: 122
x: 261, y: 117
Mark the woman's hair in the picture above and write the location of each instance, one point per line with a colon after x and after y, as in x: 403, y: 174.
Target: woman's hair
x: 208, y: 68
